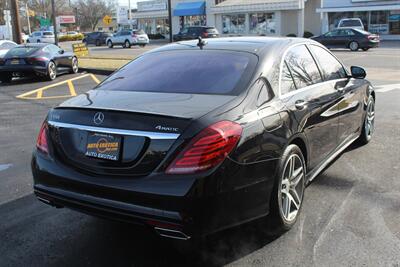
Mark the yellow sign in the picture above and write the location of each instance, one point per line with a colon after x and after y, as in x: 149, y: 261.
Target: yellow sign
x: 31, y: 13
x: 80, y: 50
x: 107, y: 20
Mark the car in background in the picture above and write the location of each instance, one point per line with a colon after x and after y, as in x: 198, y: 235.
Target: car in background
x: 128, y: 38
x: 41, y: 37
x: 354, y: 39
x: 45, y: 60
x: 24, y: 37
x: 351, y: 23
x: 6, y: 45
x: 194, y: 32
x: 72, y: 33
x: 96, y: 38
x: 195, y: 137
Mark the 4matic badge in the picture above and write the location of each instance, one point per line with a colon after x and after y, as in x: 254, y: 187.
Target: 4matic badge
x: 167, y: 129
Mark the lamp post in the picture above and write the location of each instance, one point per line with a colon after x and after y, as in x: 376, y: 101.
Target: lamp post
x: 53, y: 18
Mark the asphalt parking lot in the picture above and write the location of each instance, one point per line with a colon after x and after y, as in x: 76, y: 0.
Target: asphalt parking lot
x: 350, y: 217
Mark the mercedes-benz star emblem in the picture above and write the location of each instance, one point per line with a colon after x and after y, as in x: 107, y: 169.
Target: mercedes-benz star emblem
x: 98, y: 118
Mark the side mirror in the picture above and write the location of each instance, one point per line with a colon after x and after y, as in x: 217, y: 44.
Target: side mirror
x: 61, y: 51
x: 358, y: 72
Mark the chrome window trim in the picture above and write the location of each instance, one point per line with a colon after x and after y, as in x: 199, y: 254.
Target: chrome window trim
x: 283, y: 96
x: 151, y: 135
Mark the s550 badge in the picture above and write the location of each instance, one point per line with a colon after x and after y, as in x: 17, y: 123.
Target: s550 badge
x: 167, y: 129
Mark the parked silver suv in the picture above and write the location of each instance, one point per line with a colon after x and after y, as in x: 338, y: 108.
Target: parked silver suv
x: 127, y: 38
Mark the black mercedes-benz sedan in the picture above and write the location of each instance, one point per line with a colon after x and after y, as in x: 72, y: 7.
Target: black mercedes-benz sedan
x: 353, y: 39
x: 46, y: 60
x: 195, y: 137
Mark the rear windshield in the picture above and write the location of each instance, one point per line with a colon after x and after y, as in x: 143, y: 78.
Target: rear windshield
x: 211, y: 30
x: 21, y: 51
x: 350, y: 23
x: 139, y: 32
x: 191, y: 72
x: 363, y: 32
x: 48, y: 33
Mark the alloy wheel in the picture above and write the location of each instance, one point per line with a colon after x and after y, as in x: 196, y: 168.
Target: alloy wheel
x: 370, y: 119
x: 52, y: 71
x: 74, y: 65
x: 353, y: 46
x: 292, y: 188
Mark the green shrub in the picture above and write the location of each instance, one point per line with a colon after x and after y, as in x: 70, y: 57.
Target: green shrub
x: 291, y: 35
x: 308, y: 34
x: 66, y: 38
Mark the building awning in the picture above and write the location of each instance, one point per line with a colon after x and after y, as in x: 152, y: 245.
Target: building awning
x: 190, y: 9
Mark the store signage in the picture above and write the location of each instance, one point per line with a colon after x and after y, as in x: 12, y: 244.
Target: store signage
x: 379, y: 28
x: 151, y: 6
x: 122, y: 15
x: 65, y: 19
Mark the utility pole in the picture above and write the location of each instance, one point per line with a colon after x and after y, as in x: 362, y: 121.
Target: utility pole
x: 27, y: 18
x: 53, y: 18
x: 16, y: 22
x: 170, y: 21
x: 129, y: 14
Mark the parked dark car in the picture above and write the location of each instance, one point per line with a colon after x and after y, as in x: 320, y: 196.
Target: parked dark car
x: 354, y: 39
x: 96, y: 38
x: 46, y: 60
x: 190, y: 149
x: 195, y: 32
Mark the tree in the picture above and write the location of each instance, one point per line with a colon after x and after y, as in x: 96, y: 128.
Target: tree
x: 91, y: 11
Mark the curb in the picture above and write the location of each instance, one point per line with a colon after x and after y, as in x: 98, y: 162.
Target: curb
x: 97, y: 71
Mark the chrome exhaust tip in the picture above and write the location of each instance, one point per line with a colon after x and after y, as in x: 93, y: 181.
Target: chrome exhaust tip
x: 174, y: 234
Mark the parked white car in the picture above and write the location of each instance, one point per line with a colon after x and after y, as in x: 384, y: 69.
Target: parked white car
x: 127, y: 38
x: 351, y: 23
x: 6, y: 45
x: 24, y: 37
x: 41, y: 37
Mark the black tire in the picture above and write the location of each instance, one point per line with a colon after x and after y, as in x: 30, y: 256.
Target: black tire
x: 127, y: 44
x: 277, y: 218
x: 38, y: 41
x: 142, y: 45
x: 98, y: 42
x: 6, y: 77
x: 51, y: 71
x: 74, y: 65
x: 354, y: 46
x: 365, y: 49
x: 110, y: 44
x: 368, y: 123
x: 28, y: 41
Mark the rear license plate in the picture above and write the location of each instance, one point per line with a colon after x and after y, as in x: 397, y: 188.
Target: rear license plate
x: 103, y: 146
x: 15, y: 62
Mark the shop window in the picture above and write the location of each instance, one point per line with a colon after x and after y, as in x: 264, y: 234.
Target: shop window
x: 262, y: 23
x: 234, y: 24
x: 379, y: 22
x: 162, y: 26
x: 188, y: 21
x: 394, y: 22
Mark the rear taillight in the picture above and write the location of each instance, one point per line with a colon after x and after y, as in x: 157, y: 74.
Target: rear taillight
x: 134, y: 35
x: 41, y: 142
x: 37, y: 60
x: 207, y: 149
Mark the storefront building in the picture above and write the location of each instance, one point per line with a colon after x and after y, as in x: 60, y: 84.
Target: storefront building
x: 264, y: 17
x: 378, y: 16
x: 152, y: 17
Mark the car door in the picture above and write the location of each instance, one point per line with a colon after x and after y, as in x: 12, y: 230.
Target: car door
x: 90, y: 38
x: 308, y: 98
x: 344, y: 37
x: 330, y: 38
x: 350, y: 93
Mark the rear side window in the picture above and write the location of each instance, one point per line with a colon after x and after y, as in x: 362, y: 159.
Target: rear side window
x: 211, y: 30
x: 331, y: 68
x: 302, y: 67
x: 48, y: 34
x: 191, y: 72
x: 287, y: 82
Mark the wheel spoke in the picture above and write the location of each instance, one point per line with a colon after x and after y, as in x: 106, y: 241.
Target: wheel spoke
x: 286, y: 205
x: 295, y: 198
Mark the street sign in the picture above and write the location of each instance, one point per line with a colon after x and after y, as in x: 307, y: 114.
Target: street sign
x: 80, y: 50
x: 31, y: 13
x: 65, y: 19
x: 107, y: 20
x: 122, y: 15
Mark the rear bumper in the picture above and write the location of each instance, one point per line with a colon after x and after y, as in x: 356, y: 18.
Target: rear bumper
x: 178, y: 207
x: 24, y: 69
x: 372, y: 44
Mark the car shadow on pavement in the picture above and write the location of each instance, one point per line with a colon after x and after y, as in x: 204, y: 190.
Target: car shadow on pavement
x: 40, y: 235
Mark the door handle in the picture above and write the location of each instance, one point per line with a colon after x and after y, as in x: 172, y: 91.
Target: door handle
x: 340, y: 90
x: 300, y: 104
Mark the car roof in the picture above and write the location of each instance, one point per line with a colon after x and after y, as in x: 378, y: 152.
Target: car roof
x: 38, y: 45
x: 258, y: 45
x: 6, y: 41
